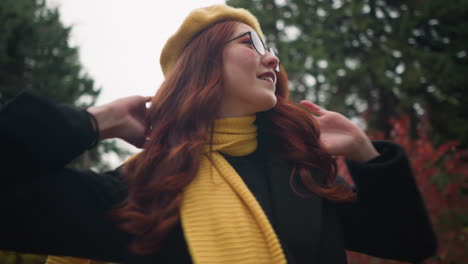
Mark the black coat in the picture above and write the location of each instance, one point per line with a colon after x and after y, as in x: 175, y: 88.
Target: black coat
x: 49, y: 209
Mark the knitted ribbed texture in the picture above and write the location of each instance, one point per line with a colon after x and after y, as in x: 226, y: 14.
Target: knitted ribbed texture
x: 221, y: 219
x: 198, y: 20
x: 71, y: 260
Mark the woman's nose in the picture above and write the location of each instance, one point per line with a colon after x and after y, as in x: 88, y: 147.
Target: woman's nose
x: 270, y: 60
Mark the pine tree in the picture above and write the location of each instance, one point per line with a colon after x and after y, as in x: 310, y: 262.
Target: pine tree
x: 35, y: 55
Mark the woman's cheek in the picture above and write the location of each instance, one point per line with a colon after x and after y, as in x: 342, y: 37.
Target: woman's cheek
x: 247, y: 56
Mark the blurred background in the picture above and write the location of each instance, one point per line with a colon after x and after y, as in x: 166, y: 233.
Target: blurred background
x: 397, y: 68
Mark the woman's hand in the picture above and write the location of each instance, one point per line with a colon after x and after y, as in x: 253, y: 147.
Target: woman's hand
x: 123, y: 118
x: 340, y: 137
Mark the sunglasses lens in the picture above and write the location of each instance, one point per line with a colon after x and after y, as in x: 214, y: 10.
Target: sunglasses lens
x: 257, y: 43
x: 272, y: 51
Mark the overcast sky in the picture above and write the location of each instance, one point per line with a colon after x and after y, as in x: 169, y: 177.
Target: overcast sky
x: 120, y: 41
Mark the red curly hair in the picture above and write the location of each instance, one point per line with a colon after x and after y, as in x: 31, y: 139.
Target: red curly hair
x: 181, y: 117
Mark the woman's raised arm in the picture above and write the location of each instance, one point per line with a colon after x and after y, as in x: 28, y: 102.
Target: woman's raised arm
x: 51, y: 209
x: 37, y: 135
x: 389, y: 219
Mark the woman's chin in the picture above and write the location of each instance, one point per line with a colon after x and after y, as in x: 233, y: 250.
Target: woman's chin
x: 268, y: 104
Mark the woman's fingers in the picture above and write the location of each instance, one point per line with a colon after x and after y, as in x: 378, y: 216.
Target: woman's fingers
x: 313, y: 107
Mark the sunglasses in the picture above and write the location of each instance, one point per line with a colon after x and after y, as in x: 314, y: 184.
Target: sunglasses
x: 258, y: 44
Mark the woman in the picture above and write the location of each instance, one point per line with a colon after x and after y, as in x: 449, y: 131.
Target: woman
x: 230, y: 172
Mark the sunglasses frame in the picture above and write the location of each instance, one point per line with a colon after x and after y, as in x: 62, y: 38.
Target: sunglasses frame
x: 263, y: 47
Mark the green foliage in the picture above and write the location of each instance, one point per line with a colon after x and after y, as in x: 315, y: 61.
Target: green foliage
x: 35, y: 55
x: 375, y: 58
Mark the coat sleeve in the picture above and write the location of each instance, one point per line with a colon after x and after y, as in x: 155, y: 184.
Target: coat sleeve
x: 389, y: 218
x: 47, y: 208
x: 40, y: 136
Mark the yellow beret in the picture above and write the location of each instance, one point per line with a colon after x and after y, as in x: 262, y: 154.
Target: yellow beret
x: 195, y: 22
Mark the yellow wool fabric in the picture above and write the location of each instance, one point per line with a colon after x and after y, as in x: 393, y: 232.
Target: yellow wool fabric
x: 221, y: 219
x: 71, y: 260
x: 197, y: 21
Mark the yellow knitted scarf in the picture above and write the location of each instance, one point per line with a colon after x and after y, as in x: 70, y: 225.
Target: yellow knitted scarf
x: 221, y: 219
